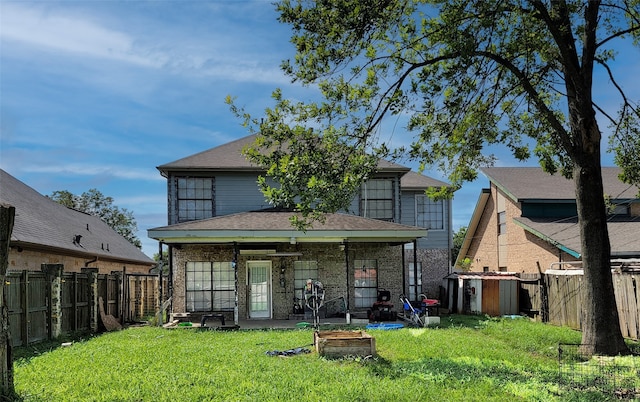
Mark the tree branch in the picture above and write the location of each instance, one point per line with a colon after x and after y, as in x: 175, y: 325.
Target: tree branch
x: 528, y: 87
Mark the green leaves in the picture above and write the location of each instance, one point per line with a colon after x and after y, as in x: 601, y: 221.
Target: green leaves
x: 95, y: 203
x: 458, y: 75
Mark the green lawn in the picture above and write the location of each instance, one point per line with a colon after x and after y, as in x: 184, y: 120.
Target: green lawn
x: 467, y: 359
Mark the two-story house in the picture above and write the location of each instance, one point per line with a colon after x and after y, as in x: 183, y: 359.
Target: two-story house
x: 527, y: 220
x: 231, y: 252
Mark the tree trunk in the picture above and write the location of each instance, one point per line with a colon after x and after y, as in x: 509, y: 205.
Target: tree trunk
x: 7, y: 392
x: 601, y: 332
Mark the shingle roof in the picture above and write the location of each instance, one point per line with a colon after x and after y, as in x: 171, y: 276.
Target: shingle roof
x: 229, y: 157
x: 43, y: 223
x: 271, y: 224
x: 532, y: 183
x: 565, y: 234
x: 223, y: 157
x: 417, y: 181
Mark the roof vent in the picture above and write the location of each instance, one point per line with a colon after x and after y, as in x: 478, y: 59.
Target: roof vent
x: 76, y: 239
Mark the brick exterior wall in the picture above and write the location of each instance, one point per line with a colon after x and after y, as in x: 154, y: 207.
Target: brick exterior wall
x: 331, y: 272
x: 483, y: 250
x: 32, y: 260
x: 435, y: 267
x: 524, y: 250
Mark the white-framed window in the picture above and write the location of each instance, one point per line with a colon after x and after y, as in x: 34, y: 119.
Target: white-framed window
x: 365, y: 282
x: 429, y: 213
x: 376, y: 199
x: 210, y: 286
x: 502, y: 223
x: 195, y: 198
x: 413, y: 292
x: 303, y: 270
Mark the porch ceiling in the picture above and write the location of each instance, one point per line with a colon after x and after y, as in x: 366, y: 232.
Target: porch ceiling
x: 275, y: 227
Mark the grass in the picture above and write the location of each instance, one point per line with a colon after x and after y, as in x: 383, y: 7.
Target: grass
x: 465, y: 359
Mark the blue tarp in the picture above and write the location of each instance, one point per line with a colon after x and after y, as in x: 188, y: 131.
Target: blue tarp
x: 385, y: 326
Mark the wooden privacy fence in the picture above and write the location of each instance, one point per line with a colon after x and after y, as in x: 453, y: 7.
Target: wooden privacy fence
x: 48, y: 303
x: 556, y: 297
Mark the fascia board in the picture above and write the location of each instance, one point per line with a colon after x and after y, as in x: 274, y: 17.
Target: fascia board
x: 319, y: 236
x: 548, y: 239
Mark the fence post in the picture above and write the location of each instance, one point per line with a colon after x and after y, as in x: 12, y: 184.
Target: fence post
x: 24, y: 306
x: 544, y: 295
x: 120, y: 277
x: 53, y: 274
x: 92, y: 274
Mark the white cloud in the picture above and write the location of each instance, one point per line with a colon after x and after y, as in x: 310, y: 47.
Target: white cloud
x: 71, y: 35
x: 79, y: 169
x: 163, y: 46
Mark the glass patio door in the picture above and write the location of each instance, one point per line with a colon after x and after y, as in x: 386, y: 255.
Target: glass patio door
x: 259, y: 289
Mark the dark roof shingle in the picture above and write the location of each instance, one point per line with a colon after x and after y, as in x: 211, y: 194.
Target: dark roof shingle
x: 275, y: 221
x: 565, y: 233
x: 416, y: 181
x: 532, y: 183
x: 229, y: 157
x: 42, y: 222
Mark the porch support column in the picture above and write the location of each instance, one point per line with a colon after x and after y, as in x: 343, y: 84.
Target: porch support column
x: 235, y: 272
x: 346, y: 264
x: 404, y: 270
x: 415, y: 268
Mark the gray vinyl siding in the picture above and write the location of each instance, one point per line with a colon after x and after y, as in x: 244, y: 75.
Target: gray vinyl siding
x: 233, y: 193
x: 436, y: 239
x: 238, y: 192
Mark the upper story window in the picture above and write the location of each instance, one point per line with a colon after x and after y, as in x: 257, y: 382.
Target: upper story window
x: 619, y: 209
x: 502, y: 223
x: 195, y: 198
x: 429, y: 213
x: 376, y: 199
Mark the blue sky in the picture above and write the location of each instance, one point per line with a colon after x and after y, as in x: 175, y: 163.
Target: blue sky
x: 96, y: 94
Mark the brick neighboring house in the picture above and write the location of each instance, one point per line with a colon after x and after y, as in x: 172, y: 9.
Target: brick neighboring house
x: 220, y: 225
x: 527, y: 218
x: 46, y: 232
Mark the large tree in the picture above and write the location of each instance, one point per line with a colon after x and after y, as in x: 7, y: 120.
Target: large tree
x: 462, y: 76
x: 95, y: 203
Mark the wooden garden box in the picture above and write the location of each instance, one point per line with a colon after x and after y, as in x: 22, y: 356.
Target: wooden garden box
x: 344, y: 343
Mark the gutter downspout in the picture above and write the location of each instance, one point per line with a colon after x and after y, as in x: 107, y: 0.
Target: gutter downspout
x: 94, y: 259
x: 235, y: 272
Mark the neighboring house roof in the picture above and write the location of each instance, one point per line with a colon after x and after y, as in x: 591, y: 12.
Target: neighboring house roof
x: 565, y: 234
x: 229, y: 157
x: 271, y: 226
x: 417, y: 181
x: 44, y: 225
x: 532, y: 183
